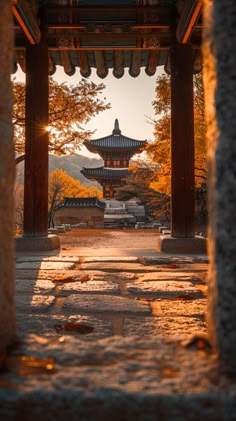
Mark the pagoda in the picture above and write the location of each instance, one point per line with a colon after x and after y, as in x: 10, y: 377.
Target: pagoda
x: 116, y: 150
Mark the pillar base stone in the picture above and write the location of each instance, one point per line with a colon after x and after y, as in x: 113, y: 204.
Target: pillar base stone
x: 51, y: 242
x: 168, y: 244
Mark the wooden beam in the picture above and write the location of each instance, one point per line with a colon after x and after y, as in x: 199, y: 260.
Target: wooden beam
x: 66, y: 62
x: 26, y: 20
x: 84, y: 64
x: 36, y: 141
x: 136, y: 64
x: 118, y: 71
x: 182, y: 142
x: 100, y: 64
x: 152, y: 63
x: 188, y: 18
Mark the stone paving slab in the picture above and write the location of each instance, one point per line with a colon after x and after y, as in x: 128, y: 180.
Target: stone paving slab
x: 172, y: 259
x: 104, y: 304
x: 95, y: 287
x: 48, y: 326
x: 33, y: 286
x: 46, y: 265
x: 72, y: 273
x: 46, y: 274
x: 27, y: 303
x: 119, y: 259
x: 180, y: 276
x: 162, y: 289
x: 38, y: 258
x: 119, y: 267
x: 180, y: 327
x: 181, y: 307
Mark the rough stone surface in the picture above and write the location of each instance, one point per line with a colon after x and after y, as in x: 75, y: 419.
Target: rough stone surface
x: 170, y: 244
x: 45, y: 265
x: 51, y: 242
x: 49, y: 326
x: 30, y: 286
x: 101, y: 287
x: 122, y: 380
x: 118, y: 267
x: 176, y: 326
x: 220, y: 82
x: 162, y: 289
x: 181, y: 307
x: 104, y: 304
x: 34, y: 303
x: 7, y: 177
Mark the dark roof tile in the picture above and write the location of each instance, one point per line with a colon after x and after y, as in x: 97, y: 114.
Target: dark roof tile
x: 81, y: 202
x: 103, y: 172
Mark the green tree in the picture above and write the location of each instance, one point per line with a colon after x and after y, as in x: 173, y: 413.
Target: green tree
x: 70, y: 108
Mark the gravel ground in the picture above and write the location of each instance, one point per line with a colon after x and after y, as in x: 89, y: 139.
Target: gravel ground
x: 103, y: 238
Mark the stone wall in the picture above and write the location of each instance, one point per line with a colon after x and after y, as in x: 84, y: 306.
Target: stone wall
x: 220, y: 91
x: 7, y: 176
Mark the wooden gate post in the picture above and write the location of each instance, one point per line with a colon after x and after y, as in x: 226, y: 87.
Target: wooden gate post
x: 36, y: 143
x: 182, y: 142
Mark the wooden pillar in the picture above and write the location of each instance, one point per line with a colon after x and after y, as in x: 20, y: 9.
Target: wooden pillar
x: 36, y: 143
x: 182, y: 142
x: 7, y: 179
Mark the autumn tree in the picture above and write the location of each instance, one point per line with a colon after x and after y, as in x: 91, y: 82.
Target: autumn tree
x: 70, y: 108
x: 158, y: 152
x: 141, y: 184
x: 62, y: 185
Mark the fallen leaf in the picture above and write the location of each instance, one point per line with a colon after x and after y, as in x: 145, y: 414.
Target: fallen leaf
x: 169, y: 372
x: 75, y: 327
x: 171, y: 266
x: 85, y: 278
x: 64, y: 279
x: 185, y: 297
x: 203, y: 289
x: 198, y: 342
x: 29, y: 365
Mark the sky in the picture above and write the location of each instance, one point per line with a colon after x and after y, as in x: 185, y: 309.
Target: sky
x: 131, y: 103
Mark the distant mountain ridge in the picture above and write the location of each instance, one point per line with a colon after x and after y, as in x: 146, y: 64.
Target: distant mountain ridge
x: 72, y: 164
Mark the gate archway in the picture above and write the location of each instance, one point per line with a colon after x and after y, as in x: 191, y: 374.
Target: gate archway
x: 109, y: 35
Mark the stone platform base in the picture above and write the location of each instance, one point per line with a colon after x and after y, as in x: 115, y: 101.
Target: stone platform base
x: 51, y: 242
x: 168, y: 244
x: 120, y: 379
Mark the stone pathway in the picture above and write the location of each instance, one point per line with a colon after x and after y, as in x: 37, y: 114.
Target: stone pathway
x: 112, y: 295
x: 103, y: 338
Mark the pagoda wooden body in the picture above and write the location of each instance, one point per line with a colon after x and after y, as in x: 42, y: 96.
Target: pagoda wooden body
x: 116, y: 150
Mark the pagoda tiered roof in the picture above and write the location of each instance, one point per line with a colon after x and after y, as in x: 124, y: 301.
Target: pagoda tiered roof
x: 103, y: 172
x: 115, y: 141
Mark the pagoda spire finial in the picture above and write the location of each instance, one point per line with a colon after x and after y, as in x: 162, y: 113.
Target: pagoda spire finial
x: 116, y: 130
